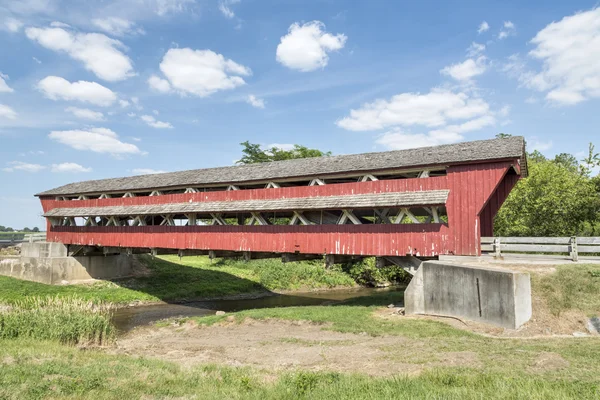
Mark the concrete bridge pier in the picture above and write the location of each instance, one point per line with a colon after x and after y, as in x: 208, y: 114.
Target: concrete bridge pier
x: 495, y: 296
x: 50, y: 263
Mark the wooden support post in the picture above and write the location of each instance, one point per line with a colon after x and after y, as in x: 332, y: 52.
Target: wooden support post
x: 497, y: 250
x: 247, y: 256
x: 573, y: 244
x: 329, y: 260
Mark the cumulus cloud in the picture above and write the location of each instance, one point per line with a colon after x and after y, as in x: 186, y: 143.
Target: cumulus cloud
x: 570, y: 54
x: 117, y: 26
x: 535, y: 143
x: 57, y: 88
x: 4, y: 88
x: 154, y: 123
x: 198, y: 72
x: 147, y: 171
x: 69, y: 167
x: 432, y: 109
x: 443, y: 115
x: 306, y: 47
x: 508, y: 29
x: 85, y: 113
x: 483, y: 27
x: 123, y: 103
x: 22, y: 166
x: 400, y: 140
x: 98, y: 140
x: 255, y: 101
x: 159, y: 84
x: 12, y: 25
x: 99, y: 54
x: 466, y: 70
x: 7, y: 112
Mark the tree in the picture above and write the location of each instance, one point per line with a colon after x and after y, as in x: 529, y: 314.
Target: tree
x: 35, y: 229
x: 567, y: 161
x: 554, y: 200
x: 26, y: 229
x: 503, y: 135
x: 254, y: 154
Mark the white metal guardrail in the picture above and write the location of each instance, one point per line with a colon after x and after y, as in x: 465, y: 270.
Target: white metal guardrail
x: 571, y: 245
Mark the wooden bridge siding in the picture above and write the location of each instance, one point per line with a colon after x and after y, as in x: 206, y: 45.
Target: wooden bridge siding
x: 495, y: 202
x: 470, y: 188
x: 390, y: 240
x: 382, y: 186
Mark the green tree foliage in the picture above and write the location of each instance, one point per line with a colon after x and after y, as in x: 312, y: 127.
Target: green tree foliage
x: 557, y: 199
x: 254, y: 154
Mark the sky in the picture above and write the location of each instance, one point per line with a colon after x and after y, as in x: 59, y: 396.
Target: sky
x: 99, y: 89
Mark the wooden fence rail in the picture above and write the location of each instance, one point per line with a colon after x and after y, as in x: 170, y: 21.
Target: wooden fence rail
x: 10, y: 239
x: 571, y: 245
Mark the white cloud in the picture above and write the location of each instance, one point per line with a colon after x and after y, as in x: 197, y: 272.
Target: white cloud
x: 399, y: 140
x: 12, y: 25
x: 433, y: 109
x: 85, y: 113
x: 508, y: 29
x: 200, y: 72
x: 466, y: 70
x: 123, y: 103
x: 159, y: 84
x: 540, y: 145
x: 4, y: 88
x: 225, y: 7
x: 306, y: 47
x: 531, y: 100
x: 57, y: 88
x: 154, y: 123
x: 69, y: 167
x: 483, y: 27
x: 98, y: 53
x: 36, y: 60
x: 475, y: 49
x: 155, y: 112
x: 131, y: 114
x: 570, y: 54
x: 164, y: 7
x: 255, y: 101
x: 136, y: 103
x: 147, y: 171
x: 23, y: 166
x: 504, y: 111
x: 98, y: 140
x: 7, y: 112
x: 117, y: 26
x: 58, y: 24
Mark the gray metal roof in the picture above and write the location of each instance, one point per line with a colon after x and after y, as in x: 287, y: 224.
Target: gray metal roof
x: 477, y: 151
x: 371, y: 200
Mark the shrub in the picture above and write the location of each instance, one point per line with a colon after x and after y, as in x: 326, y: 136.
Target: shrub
x: 67, y: 320
x: 366, y: 273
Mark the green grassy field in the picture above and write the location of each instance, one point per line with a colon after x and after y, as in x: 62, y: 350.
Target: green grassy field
x: 190, y: 278
x: 33, y: 369
x: 31, y: 366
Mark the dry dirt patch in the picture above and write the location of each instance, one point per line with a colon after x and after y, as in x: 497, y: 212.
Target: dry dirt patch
x: 280, y: 345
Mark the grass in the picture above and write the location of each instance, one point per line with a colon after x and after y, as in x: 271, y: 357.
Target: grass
x: 190, y: 278
x: 68, y: 321
x: 570, y: 288
x: 33, y: 369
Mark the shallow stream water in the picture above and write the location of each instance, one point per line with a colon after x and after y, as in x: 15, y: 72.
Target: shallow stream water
x: 125, y: 319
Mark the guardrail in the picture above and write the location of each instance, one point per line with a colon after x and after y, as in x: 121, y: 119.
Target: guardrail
x: 571, y: 245
x: 16, y: 238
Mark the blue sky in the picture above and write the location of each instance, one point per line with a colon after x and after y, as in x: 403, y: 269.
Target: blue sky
x: 99, y: 89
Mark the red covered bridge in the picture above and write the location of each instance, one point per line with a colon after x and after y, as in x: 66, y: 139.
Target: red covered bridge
x: 423, y: 202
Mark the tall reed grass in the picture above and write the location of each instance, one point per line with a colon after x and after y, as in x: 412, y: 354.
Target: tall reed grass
x: 68, y: 320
